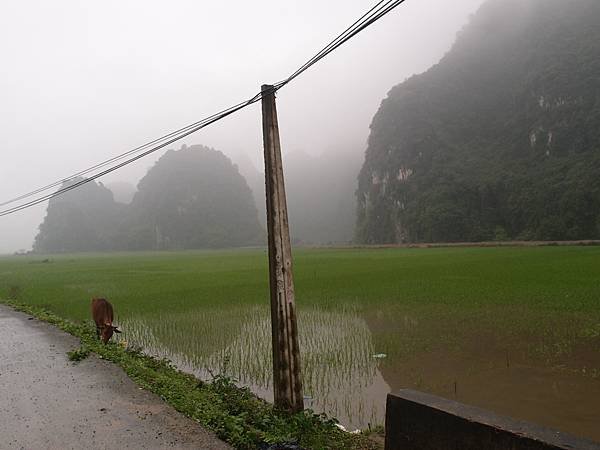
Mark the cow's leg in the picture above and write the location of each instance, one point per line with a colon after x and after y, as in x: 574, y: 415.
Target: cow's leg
x: 98, y: 332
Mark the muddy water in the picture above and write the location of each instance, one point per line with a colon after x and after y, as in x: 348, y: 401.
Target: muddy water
x: 542, y: 369
x: 559, y: 399
x: 352, y: 359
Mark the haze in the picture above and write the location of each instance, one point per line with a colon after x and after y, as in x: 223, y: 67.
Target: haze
x: 84, y: 81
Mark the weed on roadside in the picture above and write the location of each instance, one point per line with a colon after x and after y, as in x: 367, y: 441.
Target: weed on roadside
x: 235, y: 414
x: 78, y: 354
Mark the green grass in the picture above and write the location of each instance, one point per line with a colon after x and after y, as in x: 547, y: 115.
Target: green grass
x: 526, y: 289
x: 555, y: 278
x: 233, y: 413
x: 210, y: 309
x: 79, y: 354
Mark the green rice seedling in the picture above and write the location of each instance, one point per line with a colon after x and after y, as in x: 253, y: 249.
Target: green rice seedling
x: 438, y: 314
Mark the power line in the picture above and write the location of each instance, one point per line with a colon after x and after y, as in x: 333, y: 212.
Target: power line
x: 371, y: 16
x: 208, y: 121
x: 118, y: 157
x: 380, y: 9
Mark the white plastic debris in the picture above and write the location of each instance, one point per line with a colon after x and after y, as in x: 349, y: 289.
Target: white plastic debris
x: 343, y: 428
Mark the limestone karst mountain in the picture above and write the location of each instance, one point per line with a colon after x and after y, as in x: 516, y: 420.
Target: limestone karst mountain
x: 191, y: 198
x: 499, y: 140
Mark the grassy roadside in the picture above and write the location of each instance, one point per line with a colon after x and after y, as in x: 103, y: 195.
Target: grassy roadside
x: 234, y: 414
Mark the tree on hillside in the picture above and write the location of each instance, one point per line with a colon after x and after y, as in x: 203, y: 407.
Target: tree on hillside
x: 192, y: 198
x: 82, y: 219
x: 500, y: 140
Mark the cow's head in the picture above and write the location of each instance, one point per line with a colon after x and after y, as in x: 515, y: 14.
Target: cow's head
x: 107, y: 332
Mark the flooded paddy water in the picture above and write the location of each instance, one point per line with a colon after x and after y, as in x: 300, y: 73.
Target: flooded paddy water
x: 340, y: 374
x: 352, y: 359
x: 513, y: 330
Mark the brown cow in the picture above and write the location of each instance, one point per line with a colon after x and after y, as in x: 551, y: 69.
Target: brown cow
x: 102, y: 312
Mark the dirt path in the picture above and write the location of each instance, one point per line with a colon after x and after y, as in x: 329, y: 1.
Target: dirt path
x: 47, y: 402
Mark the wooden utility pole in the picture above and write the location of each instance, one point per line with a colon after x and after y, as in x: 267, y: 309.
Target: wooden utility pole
x: 287, y: 379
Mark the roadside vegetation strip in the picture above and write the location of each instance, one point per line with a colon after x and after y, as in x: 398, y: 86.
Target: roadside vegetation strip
x: 233, y: 413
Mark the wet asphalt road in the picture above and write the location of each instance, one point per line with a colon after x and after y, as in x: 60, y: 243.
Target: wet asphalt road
x: 48, y: 402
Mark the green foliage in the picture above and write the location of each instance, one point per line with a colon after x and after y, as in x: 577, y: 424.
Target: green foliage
x: 502, y: 134
x: 79, y: 354
x: 79, y: 220
x: 191, y: 198
x: 500, y: 234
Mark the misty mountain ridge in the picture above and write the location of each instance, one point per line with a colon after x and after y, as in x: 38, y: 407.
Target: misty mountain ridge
x: 123, y: 191
x: 320, y: 194
x: 499, y: 140
x: 191, y: 198
x: 321, y: 199
x: 320, y: 191
x: 82, y: 219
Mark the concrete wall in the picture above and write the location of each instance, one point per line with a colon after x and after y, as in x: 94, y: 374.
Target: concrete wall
x: 418, y: 421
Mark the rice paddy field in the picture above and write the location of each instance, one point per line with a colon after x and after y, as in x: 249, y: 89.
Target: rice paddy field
x: 512, y: 329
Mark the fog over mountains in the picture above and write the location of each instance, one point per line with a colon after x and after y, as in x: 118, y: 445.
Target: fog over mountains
x: 196, y: 198
x: 320, y: 193
x: 191, y: 198
x: 82, y: 84
x: 497, y: 140
x: 500, y: 140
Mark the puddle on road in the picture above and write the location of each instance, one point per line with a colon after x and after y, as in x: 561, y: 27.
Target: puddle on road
x: 344, y: 379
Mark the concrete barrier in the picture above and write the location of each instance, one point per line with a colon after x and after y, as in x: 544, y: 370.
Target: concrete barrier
x: 419, y: 421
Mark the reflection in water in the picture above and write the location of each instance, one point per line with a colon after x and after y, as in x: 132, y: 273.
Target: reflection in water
x: 341, y: 377
x: 492, y: 359
x: 497, y: 360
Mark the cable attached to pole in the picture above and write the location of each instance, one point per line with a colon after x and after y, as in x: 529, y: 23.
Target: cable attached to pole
x: 380, y: 9
x: 210, y: 120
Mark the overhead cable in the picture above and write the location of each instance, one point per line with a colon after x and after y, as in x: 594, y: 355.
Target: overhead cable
x: 208, y: 121
x: 371, y: 16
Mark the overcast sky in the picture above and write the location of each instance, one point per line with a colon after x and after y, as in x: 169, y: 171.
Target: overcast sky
x: 83, y: 81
